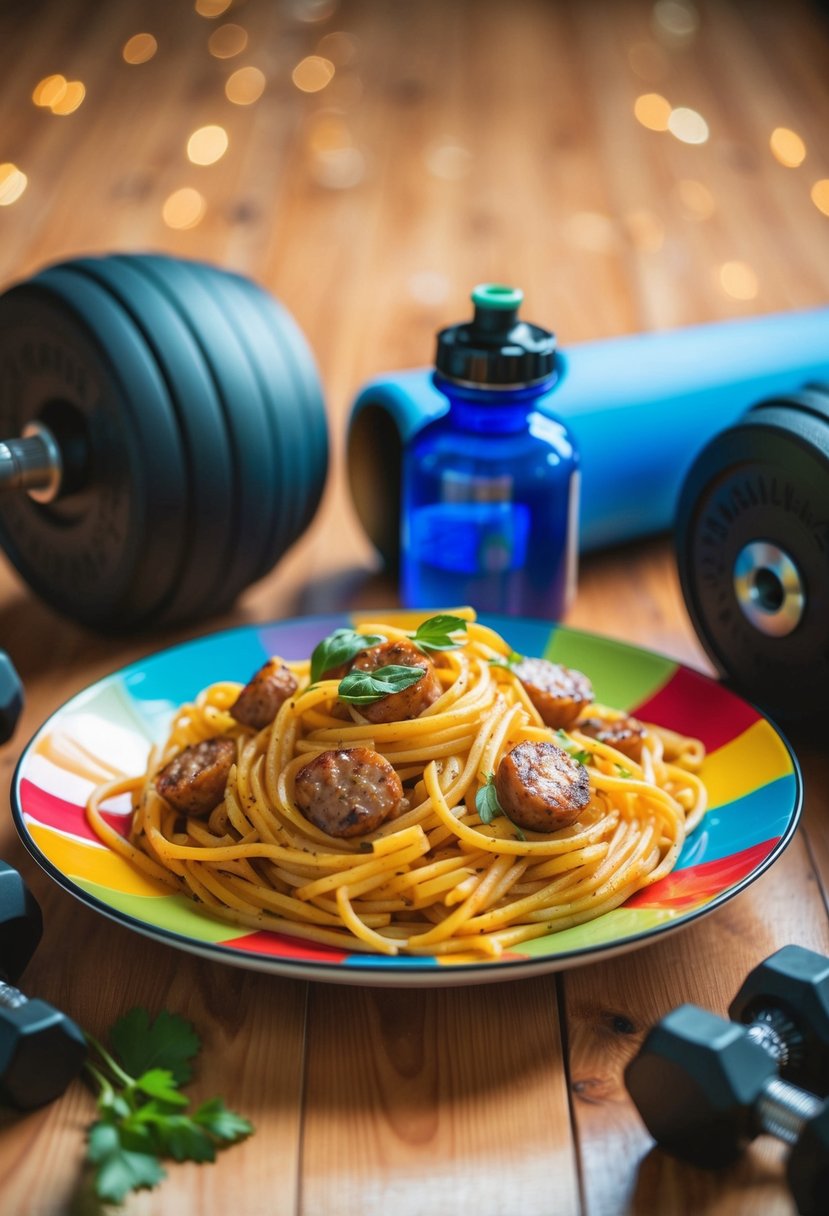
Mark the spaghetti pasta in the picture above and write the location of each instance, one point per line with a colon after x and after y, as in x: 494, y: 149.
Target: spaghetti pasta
x: 448, y: 873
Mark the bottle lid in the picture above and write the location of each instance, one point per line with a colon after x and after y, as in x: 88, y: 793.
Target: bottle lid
x: 496, y: 350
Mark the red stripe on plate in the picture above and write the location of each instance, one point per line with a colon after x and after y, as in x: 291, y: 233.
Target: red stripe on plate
x: 285, y: 947
x: 693, y: 705
x: 702, y: 882
x: 54, y: 812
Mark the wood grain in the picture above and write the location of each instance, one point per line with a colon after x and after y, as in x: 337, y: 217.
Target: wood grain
x: 474, y: 140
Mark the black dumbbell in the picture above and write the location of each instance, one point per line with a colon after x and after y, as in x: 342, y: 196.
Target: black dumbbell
x: 11, y: 697
x: 168, y: 439
x: 705, y: 1089
x: 41, y: 1049
x: 784, y: 1002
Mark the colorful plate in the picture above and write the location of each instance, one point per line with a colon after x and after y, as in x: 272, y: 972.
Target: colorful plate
x: 752, y: 777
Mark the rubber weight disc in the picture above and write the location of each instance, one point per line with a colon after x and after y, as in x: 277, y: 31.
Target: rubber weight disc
x: 288, y: 379
x: 108, y: 551
x: 752, y: 541
x: 201, y: 424
x: 245, y: 414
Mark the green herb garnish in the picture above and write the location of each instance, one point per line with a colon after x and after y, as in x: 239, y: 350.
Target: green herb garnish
x: 488, y: 806
x: 143, y: 1117
x: 577, y: 753
x: 434, y: 634
x: 621, y: 770
x: 339, y: 647
x: 513, y: 658
x: 366, y: 687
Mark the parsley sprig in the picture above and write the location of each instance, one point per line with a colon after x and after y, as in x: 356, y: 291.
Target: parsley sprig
x: 566, y: 744
x: 339, y: 647
x: 509, y: 662
x: 489, y: 807
x: 143, y: 1116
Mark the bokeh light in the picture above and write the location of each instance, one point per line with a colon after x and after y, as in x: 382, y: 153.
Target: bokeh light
x: 13, y: 182
x: 313, y: 73
x: 738, y: 280
x: 688, y: 126
x: 339, y: 47
x: 71, y: 98
x: 212, y: 8
x: 653, y: 111
x: 184, y: 208
x: 313, y: 11
x: 49, y: 90
x: 449, y: 161
x: 696, y: 201
x: 819, y: 195
x: 140, y: 48
x: 787, y: 147
x: 675, y: 21
x: 207, y: 145
x: 227, y: 41
x: 245, y: 86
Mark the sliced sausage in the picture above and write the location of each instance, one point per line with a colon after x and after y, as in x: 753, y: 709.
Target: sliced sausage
x: 625, y: 734
x: 409, y: 702
x: 558, y: 693
x: 262, y: 697
x: 194, y: 781
x: 348, y: 792
x: 540, y: 787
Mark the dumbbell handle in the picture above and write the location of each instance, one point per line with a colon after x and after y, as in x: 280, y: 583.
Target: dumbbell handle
x: 33, y: 463
x: 11, y: 997
x: 783, y: 1110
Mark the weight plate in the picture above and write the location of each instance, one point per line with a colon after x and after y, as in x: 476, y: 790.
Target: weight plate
x: 108, y: 552
x: 201, y: 425
x: 297, y: 419
x: 311, y: 417
x: 752, y: 541
x: 244, y: 412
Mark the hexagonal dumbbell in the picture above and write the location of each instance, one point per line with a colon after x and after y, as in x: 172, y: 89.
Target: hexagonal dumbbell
x: 785, y: 1004
x: 705, y: 1089
x: 41, y: 1049
x: 11, y: 697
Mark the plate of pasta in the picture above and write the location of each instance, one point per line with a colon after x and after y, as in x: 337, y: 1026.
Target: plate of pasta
x: 395, y: 798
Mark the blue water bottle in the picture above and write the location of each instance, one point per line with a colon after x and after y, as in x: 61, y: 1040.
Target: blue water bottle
x: 490, y: 489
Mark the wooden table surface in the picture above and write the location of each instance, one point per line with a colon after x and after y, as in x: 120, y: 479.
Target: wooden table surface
x: 455, y: 143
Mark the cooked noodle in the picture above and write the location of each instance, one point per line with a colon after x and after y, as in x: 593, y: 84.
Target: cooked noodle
x: 435, y: 880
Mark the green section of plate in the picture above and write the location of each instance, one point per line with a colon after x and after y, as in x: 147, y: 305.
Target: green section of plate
x: 173, y: 913
x: 611, y: 928
x: 622, y: 676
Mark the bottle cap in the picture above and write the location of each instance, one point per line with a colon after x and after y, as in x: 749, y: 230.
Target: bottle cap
x: 496, y: 350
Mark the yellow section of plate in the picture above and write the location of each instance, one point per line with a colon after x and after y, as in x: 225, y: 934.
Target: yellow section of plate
x: 78, y: 859
x: 752, y: 760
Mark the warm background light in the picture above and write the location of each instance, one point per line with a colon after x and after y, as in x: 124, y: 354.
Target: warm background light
x: 139, y: 48
x: 13, y: 182
x: 245, y: 86
x: 787, y: 147
x: 70, y: 98
x: 227, y: 41
x: 313, y: 73
x: 207, y: 145
x: 49, y: 90
x: 184, y: 208
x: 688, y: 126
x: 738, y: 280
x: 212, y: 8
x: 653, y: 111
x: 696, y: 201
x: 820, y: 195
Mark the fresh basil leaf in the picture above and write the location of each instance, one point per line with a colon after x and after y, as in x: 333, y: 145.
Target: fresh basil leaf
x: 339, y: 647
x: 366, y: 687
x: 434, y: 634
x: 573, y: 750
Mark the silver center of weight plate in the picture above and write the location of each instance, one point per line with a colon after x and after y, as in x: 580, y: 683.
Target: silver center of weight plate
x: 769, y: 588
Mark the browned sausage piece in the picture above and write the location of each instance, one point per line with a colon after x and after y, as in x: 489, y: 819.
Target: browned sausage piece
x: 260, y: 700
x: 409, y: 702
x: 348, y: 792
x: 194, y: 781
x: 541, y: 788
x: 558, y: 693
x: 625, y: 734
